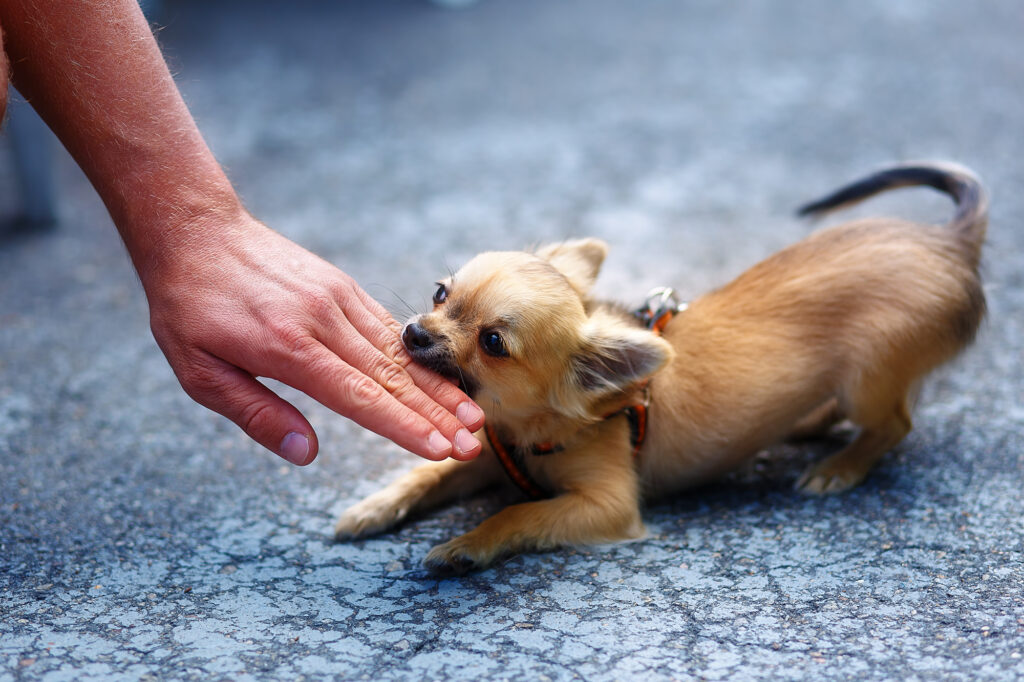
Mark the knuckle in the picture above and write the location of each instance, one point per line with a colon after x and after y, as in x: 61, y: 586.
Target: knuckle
x: 283, y: 328
x: 392, y: 378
x: 395, y: 349
x: 436, y: 414
x: 395, y: 327
x: 321, y: 305
x: 347, y: 286
x: 360, y: 390
x: 292, y: 336
x: 439, y: 386
x: 201, y: 381
x: 256, y: 418
x: 343, y: 291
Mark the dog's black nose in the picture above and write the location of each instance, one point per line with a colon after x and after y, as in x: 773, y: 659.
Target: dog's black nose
x: 415, y: 337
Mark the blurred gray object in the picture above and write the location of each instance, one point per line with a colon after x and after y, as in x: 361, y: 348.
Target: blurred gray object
x: 454, y: 4
x: 33, y: 148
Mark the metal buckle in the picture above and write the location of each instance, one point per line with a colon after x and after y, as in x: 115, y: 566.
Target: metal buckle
x: 659, y: 301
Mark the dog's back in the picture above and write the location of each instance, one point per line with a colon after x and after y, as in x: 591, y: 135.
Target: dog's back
x: 856, y: 314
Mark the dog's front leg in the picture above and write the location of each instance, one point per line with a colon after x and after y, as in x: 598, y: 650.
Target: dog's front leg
x: 573, y: 518
x: 424, y: 487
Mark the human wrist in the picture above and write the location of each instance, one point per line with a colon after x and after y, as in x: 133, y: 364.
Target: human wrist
x: 179, y: 225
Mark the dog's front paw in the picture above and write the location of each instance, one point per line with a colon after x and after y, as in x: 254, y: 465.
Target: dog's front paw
x: 457, y: 557
x: 373, y: 515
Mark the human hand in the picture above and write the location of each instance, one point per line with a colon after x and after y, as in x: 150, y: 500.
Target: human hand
x: 230, y: 300
x: 234, y: 300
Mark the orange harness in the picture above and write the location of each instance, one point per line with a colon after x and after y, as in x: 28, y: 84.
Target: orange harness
x: 660, y: 307
x: 512, y: 457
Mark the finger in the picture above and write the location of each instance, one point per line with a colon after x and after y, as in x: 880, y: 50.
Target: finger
x: 399, y: 397
x: 446, y: 394
x: 357, y: 337
x: 262, y: 414
x: 376, y: 309
x: 434, y: 388
x: 359, y: 393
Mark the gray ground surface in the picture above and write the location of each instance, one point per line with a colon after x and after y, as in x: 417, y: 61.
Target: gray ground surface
x: 143, y: 537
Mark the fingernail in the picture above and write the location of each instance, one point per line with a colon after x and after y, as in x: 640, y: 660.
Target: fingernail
x: 295, y: 448
x: 469, y: 413
x: 439, y: 445
x: 465, y: 442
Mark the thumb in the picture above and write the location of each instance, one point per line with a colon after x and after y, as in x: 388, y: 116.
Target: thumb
x: 265, y: 417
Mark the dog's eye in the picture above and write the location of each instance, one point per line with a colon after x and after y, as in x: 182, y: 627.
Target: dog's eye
x: 493, y: 344
x: 441, y: 295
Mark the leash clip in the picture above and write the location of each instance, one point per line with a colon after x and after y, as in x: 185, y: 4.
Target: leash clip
x: 659, y: 307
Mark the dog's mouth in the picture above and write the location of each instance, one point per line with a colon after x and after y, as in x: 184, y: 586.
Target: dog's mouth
x: 426, y: 350
x: 467, y: 385
x: 444, y: 365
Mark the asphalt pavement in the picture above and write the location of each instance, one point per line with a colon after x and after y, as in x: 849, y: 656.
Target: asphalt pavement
x: 144, y: 538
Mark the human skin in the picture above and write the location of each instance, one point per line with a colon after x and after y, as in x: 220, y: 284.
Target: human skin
x: 230, y: 300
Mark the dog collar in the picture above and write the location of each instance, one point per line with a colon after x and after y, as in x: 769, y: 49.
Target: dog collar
x: 513, y: 458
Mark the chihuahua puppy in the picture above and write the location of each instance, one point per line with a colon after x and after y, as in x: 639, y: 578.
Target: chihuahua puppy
x: 842, y: 325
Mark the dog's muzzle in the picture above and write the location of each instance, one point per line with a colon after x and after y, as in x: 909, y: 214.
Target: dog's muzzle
x: 416, y: 338
x: 431, y: 352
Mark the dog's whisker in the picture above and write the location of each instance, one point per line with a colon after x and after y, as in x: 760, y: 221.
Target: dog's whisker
x: 396, y: 303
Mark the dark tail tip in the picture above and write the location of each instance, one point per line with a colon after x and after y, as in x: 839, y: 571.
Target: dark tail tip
x: 958, y: 182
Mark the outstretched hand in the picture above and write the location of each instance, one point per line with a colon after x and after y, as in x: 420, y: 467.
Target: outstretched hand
x: 238, y: 301
x: 230, y: 300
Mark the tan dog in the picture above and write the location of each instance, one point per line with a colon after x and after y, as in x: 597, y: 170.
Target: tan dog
x: 843, y: 324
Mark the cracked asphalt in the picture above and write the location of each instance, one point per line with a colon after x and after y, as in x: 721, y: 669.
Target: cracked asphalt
x: 142, y: 537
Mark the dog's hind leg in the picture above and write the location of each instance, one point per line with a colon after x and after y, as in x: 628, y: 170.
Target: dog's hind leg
x: 817, y: 422
x: 884, y: 418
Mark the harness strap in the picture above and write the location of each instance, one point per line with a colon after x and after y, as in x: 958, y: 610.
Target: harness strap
x: 637, y: 416
x: 512, y: 460
x: 659, y: 308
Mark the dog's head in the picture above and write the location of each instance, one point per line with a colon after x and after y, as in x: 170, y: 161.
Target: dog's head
x: 515, y: 329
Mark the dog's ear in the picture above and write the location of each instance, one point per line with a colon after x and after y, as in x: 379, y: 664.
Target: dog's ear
x: 578, y: 259
x: 612, y: 358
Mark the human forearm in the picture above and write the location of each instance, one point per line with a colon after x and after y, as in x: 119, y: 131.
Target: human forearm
x: 94, y: 72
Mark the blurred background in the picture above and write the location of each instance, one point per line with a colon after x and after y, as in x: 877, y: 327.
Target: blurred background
x: 142, y: 535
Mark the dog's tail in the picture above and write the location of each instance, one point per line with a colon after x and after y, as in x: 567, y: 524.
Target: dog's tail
x: 970, y: 221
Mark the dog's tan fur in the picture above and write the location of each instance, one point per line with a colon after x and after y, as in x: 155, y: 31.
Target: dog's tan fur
x: 843, y: 324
